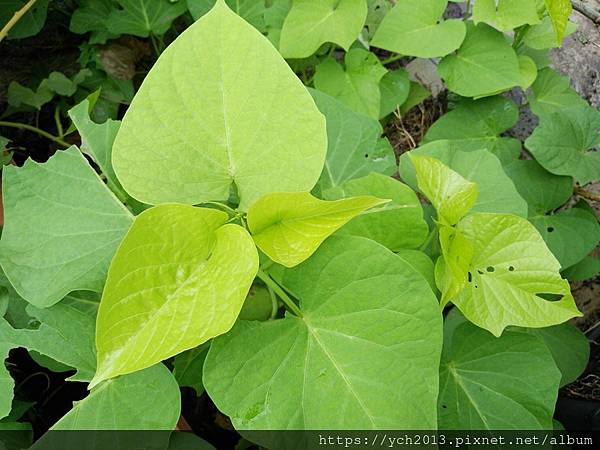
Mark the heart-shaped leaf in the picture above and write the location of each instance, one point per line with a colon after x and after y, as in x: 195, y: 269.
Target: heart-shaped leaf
x: 488, y: 383
x: 289, y: 227
x: 563, y: 143
x: 220, y: 109
x: 356, y: 85
x: 413, y: 28
x: 144, y: 17
x: 505, y: 15
x: 510, y: 257
x: 201, y: 271
x: 311, y: 23
x: 351, y: 358
x: 552, y: 92
x: 485, y: 64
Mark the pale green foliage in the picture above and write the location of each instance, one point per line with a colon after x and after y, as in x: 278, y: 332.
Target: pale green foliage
x: 451, y: 195
x: 327, y: 369
x: 413, y: 28
x: 215, y: 126
x: 563, y: 143
x: 488, y: 383
x: 569, y: 347
x: 62, y: 228
x: 543, y: 35
x: 147, y: 400
x: 201, y: 270
x: 552, y: 92
x: 478, y: 124
x: 289, y: 227
x: 505, y: 15
x: 510, y: 271
x: 398, y: 225
x: 356, y: 85
x: 485, y: 64
x: 252, y: 11
x: 354, y: 148
x: 311, y: 23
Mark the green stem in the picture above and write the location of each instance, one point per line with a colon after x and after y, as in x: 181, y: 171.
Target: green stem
x: 392, y: 59
x: 155, y: 45
x: 59, y: 127
x: 429, y: 239
x: 467, y: 10
x: 24, y: 126
x: 274, y: 303
x: 265, y: 278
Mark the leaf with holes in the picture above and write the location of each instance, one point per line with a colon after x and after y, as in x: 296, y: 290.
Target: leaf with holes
x: 300, y: 372
x: 201, y: 270
x: 511, y: 275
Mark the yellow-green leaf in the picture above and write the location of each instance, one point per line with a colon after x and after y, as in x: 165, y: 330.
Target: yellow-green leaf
x: 179, y: 278
x: 451, y: 195
x: 289, y: 227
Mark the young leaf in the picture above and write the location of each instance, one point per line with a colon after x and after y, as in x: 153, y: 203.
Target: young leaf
x: 232, y: 115
x: 479, y: 124
x: 451, y: 195
x: 30, y: 24
x: 289, y: 227
x: 357, y: 85
x: 145, y: 400
x: 62, y: 228
x: 452, y: 268
x: 505, y: 15
x: 563, y: 143
x: 301, y: 372
x: 178, y: 279
x: 398, y: 225
x: 19, y: 96
x: 485, y: 64
x: 551, y: 93
x: 528, y: 71
x: 311, y: 23
x: 559, y: 12
x: 569, y: 347
x: 353, y: 149
x: 510, y: 257
x: 488, y: 383
x: 144, y: 17
x: 496, y: 191
x: 570, y: 234
x: 542, y: 190
x: 413, y: 28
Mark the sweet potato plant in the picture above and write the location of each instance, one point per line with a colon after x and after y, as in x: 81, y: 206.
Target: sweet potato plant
x: 245, y: 235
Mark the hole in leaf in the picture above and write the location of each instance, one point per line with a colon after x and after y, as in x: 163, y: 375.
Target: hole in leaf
x: 511, y: 269
x: 550, y: 229
x: 470, y: 277
x: 444, y: 406
x: 490, y: 269
x: 366, y: 155
x: 480, y: 272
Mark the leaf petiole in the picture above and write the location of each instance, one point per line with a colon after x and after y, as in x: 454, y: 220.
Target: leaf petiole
x: 265, y: 278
